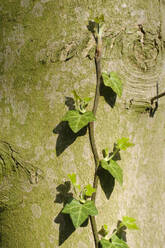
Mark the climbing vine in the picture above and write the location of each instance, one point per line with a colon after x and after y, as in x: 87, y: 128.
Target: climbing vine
x: 82, y: 204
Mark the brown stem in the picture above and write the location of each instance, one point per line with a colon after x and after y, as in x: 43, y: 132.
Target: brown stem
x: 91, y: 136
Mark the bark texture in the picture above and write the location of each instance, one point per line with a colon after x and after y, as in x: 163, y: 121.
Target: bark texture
x: 46, y: 51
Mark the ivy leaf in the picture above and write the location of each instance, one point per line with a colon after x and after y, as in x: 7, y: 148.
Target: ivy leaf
x: 105, y: 152
x: 77, y: 120
x: 118, y: 243
x: 89, y: 190
x: 99, y: 19
x: 87, y: 99
x: 103, y: 231
x: 113, y: 81
x: 129, y: 222
x: 79, y: 212
x: 123, y: 143
x: 114, y: 169
x: 76, y: 96
x: 72, y: 178
x: 106, y: 244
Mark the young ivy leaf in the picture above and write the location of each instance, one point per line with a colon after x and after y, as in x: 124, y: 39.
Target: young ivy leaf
x: 77, y: 120
x: 118, y: 243
x: 72, y: 178
x: 103, y: 231
x: 99, y: 19
x: 87, y: 99
x: 106, y: 243
x: 81, y: 101
x: 129, y: 223
x: 114, y: 169
x: 113, y: 81
x: 89, y: 190
x: 123, y: 143
x: 76, y: 96
x: 79, y: 212
x: 105, y: 152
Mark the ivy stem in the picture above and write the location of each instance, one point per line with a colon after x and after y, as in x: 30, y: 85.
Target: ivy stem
x: 91, y: 134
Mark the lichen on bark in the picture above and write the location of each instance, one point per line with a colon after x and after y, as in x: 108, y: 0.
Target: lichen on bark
x: 44, y: 55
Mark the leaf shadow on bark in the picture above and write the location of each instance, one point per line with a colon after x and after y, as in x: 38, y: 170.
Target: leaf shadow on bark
x: 107, y: 181
x: 66, y: 227
x: 66, y: 136
x: 108, y: 94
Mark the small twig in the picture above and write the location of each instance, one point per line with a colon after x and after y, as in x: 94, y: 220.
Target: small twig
x: 156, y: 97
x: 153, y: 109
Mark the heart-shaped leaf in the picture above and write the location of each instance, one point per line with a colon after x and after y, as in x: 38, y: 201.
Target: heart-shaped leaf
x: 118, y: 243
x: 99, y: 19
x: 89, y: 190
x: 72, y: 178
x: 129, y: 222
x: 113, y: 81
x: 78, y: 120
x: 106, y: 243
x: 123, y: 143
x: 114, y: 169
x: 79, y: 212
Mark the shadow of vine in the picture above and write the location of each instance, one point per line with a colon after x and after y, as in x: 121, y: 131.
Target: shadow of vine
x: 66, y: 227
x: 108, y: 94
x: 107, y: 181
x: 65, y: 135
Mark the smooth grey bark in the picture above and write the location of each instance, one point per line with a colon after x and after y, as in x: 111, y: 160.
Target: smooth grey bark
x: 46, y: 51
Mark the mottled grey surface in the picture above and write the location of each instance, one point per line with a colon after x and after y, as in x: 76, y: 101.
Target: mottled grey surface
x: 44, y: 50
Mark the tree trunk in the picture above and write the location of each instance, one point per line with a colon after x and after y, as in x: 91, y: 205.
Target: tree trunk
x: 46, y: 51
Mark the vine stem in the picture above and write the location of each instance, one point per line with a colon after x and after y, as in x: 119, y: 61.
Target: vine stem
x: 91, y: 134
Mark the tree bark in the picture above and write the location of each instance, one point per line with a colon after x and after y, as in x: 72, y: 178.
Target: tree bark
x: 46, y: 51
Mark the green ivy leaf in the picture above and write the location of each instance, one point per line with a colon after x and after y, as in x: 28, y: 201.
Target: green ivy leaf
x: 72, y: 178
x: 113, y: 81
x: 106, y: 243
x: 79, y: 212
x: 114, y: 169
x: 77, y: 120
x: 81, y: 101
x: 87, y: 99
x: 105, y: 152
x: 103, y: 231
x: 123, y: 143
x: 99, y: 19
x: 89, y: 190
x: 129, y: 222
x: 76, y: 96
x: 118, y: 243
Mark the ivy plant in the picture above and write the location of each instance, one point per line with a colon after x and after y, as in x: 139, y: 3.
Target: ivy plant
x: 80, y: 208
x: 82, y: 205
x: 114, y: 241
x: 79, y: 118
